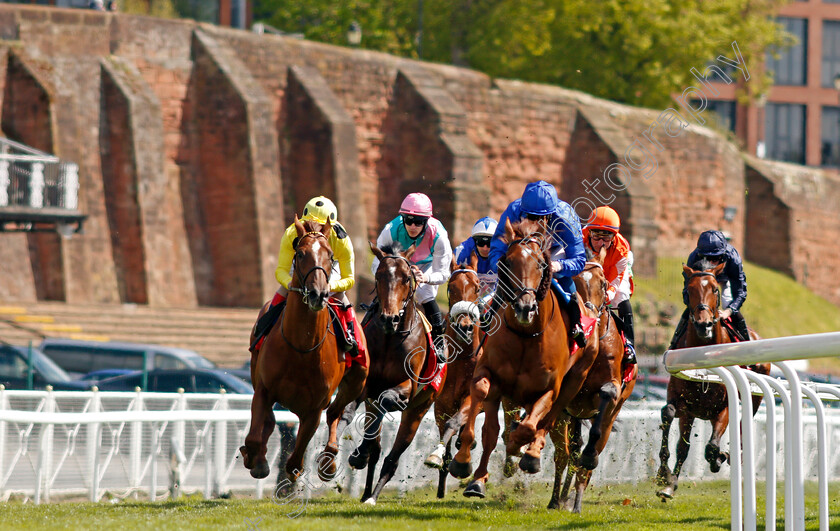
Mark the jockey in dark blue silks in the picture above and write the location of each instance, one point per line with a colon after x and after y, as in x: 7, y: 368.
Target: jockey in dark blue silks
x: 479, y: 244
x: 713, y: 247
x: 539, y: 202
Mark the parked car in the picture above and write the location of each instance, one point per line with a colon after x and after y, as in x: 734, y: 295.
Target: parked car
x: 14, y: 368
x: 104, y: 374
x: 169, y: 381
x: 243, y: 372
x: 82, y: 357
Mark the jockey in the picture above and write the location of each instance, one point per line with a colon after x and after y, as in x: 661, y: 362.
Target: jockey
x: 602, y: 232
x: 318, y: 209
x: 431, y: 259
x: 479, y: 243
x: 539, y: 202
x: 715, y: 249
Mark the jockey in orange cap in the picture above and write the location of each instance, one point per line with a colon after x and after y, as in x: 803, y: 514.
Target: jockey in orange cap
x: 602, y: 232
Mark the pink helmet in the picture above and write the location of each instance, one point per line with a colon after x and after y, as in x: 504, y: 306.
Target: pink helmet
x: 417, y: 204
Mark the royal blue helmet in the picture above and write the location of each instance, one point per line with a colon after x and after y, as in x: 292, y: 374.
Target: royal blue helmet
x: 539, y: 198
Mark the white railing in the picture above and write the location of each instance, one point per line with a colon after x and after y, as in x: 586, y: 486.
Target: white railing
x: 34, y: 179
x: 124, y: 444
x: 723, y: 362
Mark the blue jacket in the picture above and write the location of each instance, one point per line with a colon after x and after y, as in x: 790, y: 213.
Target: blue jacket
x: 462, y: 256
x: 565, y: 233
x: 733, y: 272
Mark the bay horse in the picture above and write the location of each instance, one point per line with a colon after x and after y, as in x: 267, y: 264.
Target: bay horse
x: 298, y: 365
x: 600, y: 399
x: 687, y: 400
x: 398, y: 345
x: 462, y: 331
x: 527, y: 360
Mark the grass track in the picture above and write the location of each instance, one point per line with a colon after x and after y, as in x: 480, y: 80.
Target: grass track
x: 626, y: 507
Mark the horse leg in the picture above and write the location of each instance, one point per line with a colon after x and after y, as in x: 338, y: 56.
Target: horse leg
x: 409, y: 423
x: 581, y: 482
x: 713, y: 454
x: 253, y: 452
x: 589, y: 456
x: 373, y: 459
x: 308, y: 426
x: 663, y: 476
x: 686, y: 422
x: 489, y: 438
x: 447, y: 429
x: 286, y: 431
x: 511, y: 413
x: 527, y: 429
x: 460, y: 466
x: 372, y: 423
x: 443, y: 472
x: 575, y: 442
x: 348, y: 389
x: 560, y: 437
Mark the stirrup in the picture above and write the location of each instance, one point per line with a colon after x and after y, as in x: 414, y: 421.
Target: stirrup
x: 578, y: 335
x: 629, y: 354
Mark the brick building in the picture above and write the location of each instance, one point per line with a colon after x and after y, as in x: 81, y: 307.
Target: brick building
x: 800, y: 120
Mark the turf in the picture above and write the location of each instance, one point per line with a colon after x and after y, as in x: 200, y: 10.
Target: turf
x: 626, y: 506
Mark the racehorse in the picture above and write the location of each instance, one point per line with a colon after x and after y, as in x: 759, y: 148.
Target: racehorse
x: 398, y: 345
x: 600, y: 399
x: 688, y: 400
x: 453, y: 403
x: 526, y: 359
x: 298, y: 365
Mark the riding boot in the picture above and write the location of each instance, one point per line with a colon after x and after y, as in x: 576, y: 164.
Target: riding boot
x: 370, y: 311
x: 625, y: 313
x: 267, y: 320
x: 355, y: 332
x: 432, y: 311
x: 573, y: 310
x: 681, y: 326
x: 740, y: 325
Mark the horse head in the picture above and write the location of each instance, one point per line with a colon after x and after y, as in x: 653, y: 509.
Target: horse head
x: 525, y: 271
x: 313, y: 263
x: 592, y: 283
x: 463, y: 291
x: 395, y: 285
x: 703, y: 298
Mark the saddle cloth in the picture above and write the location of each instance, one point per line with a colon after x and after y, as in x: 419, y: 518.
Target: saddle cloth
x: 340, y: 314
x: 588, y: 324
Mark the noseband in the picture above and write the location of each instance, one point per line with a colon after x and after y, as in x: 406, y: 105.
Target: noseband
x: 303, y: 290
x: 468, y: 307
x: 701, y: 306
x: 533, y: 238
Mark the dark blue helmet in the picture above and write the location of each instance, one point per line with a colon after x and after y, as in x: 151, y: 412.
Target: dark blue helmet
x: 711, y: 243
x: 539, y: 198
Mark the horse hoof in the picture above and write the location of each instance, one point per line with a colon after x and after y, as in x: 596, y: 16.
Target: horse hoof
x: 357, y: 460
x: 589, y: 462
x: 435, y: 459
x: 510, y: 467
x: 553, y: 504
x: 326, y: 464
x: 476, y: 489
x: 460, y: 470
x: 666, y: 494
x: 369, y: 501
x: 260, y: 470
x: 529, y: 464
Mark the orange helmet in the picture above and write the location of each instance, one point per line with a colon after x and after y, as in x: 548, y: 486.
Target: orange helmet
x: 605, y: 218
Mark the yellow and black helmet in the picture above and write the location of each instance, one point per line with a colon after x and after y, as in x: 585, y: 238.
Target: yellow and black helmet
x: 320, y: 209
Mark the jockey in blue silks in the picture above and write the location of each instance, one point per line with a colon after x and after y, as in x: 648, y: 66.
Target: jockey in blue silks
x: 539, y: 202
x: 479, y: 244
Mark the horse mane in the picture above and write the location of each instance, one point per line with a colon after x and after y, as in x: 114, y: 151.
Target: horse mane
x: 311, y: 225
x: 392, y: 249
x: 545, y: 281
x: 590, y: 256
x: 702, y: 265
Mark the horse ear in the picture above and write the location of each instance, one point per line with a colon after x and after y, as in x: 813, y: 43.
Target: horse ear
x: 510, y: 235
x: 452, y: 265
x: 376, y: 251
x: 409, y: 252
x: 474, y: 261
x: 299, y: 227
x: 326, y: 228
x: 687, y: 271
x: 719, y: 268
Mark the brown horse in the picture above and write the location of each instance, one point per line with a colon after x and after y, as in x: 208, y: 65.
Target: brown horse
x: 398, y: 345
x: 688, y: 400
x: 600, y: 399
x: 526, y: 360
x: 452, y: 405
x: 298, y: 365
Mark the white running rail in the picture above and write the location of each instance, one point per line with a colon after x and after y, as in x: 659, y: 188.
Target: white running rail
x: 723, y: 362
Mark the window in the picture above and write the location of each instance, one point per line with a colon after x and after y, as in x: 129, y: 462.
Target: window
x: 790, y: 67
x: 12, y: 365
x: 169, y: 383
x: 205, y: 383
x: 784, y: 132
x: 724, y: 112
x: 72, y: 360
x: 830, y: 143
x: 164, y: 361
x: 830, y: 52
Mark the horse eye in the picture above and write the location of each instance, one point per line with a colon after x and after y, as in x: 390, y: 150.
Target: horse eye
x: 299, y: 255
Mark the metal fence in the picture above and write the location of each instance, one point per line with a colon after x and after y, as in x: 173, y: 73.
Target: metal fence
x: 34, y: 179
x: 113, y: 444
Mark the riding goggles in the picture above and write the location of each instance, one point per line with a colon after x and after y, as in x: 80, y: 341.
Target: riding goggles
x: 535, y: 217
x: 418, y: 221
x: 482, y: 241
x: 603, y: 235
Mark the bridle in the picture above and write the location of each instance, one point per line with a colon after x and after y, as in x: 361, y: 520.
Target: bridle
x: 533, y: 238
x: 701, y: 306
x: 304, y: 292
x: 449, y: 288
x: 410, y: 296
x: 599, y: 311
